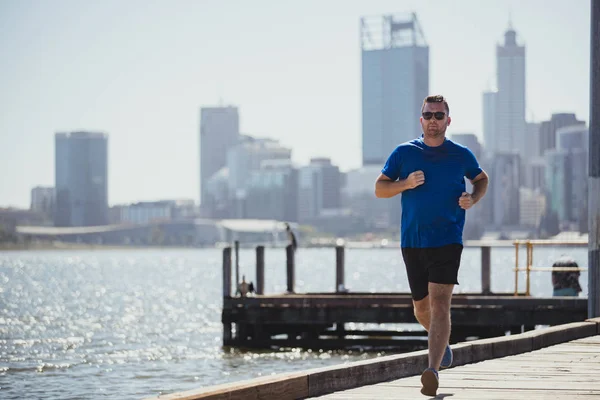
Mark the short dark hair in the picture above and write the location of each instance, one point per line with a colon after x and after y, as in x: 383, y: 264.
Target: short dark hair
x: 438, y: 98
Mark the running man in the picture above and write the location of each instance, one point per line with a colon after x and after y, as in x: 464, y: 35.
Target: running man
x: 429, y: 172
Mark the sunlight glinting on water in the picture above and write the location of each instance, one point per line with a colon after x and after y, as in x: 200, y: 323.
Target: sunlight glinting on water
x: 143, y: 322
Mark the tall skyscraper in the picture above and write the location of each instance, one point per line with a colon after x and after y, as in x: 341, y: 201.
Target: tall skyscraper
x: 81, y: 174
x: 395, y: 80
x: 489, y: 121
x: 510, y: 100
x: 219, y: 132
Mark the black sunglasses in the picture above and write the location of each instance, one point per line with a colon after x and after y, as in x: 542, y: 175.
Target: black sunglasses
x: 438, y: 115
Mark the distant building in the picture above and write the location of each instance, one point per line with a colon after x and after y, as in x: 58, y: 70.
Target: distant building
x: 533, y: 163
x: 469, y: 140
x: 556, y: 177
x: 474, y: 220
x: 535, y: 176
x: 247, y: 160
x: 532, y: 205
x: 147, y: 212
x: 504, y: 187
x: 10, y: 218
x: 8, y: 227
x: 547, y: 132
x: 272, y: 192
x: 42, y: 201
x: 81, y: 179
x: 532, y: 140
x: 510, y: 129
x: 184, y: 209
x: 395, y: 81
x: 566, y: 174
x: 219, y: 132
x: 319, y: 188
x: 489, y: 121
x: 362, y: 180
x: 358, y: 195
x: 572, y: 137
x: 248, y: 155
x: 217, y: 197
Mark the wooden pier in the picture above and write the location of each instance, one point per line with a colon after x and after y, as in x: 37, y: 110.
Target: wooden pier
x: 319, y: 320
x: 564, y: 371
x: 560, y: 362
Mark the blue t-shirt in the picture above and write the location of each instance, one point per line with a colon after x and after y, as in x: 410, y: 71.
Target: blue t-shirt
x: 431, y: 216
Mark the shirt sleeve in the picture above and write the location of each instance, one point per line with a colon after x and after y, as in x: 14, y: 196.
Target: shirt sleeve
x: 472, y: 168
x: 392, y: 165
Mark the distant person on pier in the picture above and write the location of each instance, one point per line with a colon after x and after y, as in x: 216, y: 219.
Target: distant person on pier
x: 430, y: 172
x: 243, y: 287
x: 566, y: 283
x: 291, y: 237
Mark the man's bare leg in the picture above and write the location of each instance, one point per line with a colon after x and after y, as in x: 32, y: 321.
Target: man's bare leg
x: 440, y: 296
x: 423, y: 312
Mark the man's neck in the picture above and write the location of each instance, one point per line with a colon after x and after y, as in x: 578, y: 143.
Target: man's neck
x: 434, y: 142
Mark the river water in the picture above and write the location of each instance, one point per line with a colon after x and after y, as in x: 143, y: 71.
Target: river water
x: 128, y: 324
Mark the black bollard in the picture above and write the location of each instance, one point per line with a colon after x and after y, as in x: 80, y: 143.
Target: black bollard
x: 289, y: 254
x: 260, y: 269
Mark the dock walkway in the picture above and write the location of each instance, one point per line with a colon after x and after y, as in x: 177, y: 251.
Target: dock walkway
x: 560, y: 362
x: 569, y: 370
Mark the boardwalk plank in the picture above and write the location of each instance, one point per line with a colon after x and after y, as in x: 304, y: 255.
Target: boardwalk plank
x: 565, y: 371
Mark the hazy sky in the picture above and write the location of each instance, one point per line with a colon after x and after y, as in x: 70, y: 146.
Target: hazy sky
x: 140, y: 70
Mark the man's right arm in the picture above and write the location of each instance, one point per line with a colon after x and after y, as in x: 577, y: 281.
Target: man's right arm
x: 386, y: 188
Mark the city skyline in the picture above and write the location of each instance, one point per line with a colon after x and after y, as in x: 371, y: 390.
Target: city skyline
x: 291, y: 88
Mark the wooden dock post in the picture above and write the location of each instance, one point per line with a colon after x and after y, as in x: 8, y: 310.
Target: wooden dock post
x: 485, y: 269
x: 340, y: 328
x: 289, y: 254
x: 227, y: 338
x: 260, y: 269
x: 237, y: 263
x: 594, y: 167
x: 339, y: 269
x: 227, y: 272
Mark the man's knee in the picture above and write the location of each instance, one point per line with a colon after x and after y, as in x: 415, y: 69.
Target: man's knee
x: 421, y: 307
x: 440, y: 297
x: 421, y: 314
x: 440, y: 306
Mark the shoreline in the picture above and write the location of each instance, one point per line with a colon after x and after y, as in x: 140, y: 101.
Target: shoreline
x: 45, y: 246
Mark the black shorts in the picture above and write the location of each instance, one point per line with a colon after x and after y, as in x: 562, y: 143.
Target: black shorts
x: 431, y: 264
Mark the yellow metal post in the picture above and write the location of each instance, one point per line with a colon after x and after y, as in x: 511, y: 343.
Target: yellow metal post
x: 529, y: 262
x: 516, y: 268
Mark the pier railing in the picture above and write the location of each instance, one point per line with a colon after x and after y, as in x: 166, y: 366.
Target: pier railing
x: 529, y: 268
x: 318, y: 320
x: 485, y: 246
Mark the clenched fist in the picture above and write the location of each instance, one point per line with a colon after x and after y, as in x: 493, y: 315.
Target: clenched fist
x: 465, y: 201
x: 415, y: 179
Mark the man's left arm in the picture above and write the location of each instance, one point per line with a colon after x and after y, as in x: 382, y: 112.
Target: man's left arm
x: 480, y: 184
